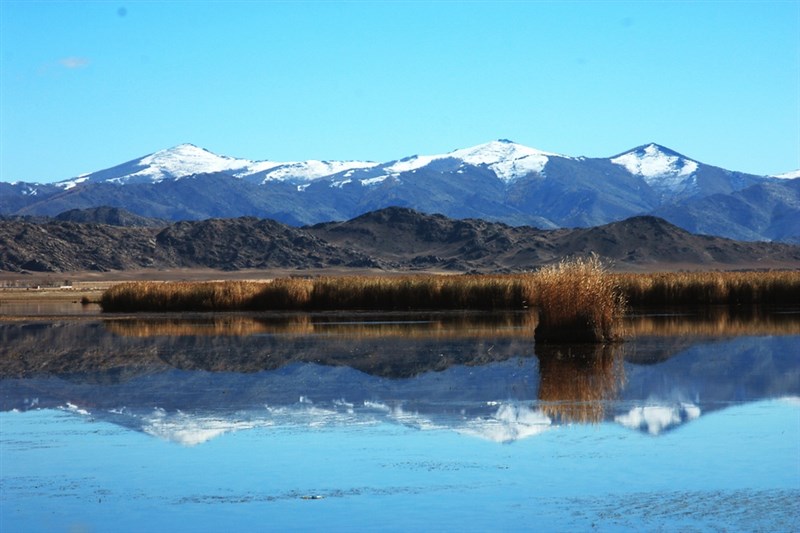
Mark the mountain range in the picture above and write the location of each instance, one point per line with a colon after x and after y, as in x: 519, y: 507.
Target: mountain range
x: 499, y: 181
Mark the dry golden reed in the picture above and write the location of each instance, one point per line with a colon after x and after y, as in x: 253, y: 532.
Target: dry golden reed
x: 347, y: 292
x: 578, y: 301
x: 711, y: 288
x: 180, y: 296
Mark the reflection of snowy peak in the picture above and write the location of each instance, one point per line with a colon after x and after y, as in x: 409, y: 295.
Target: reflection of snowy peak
x: 660, y: 167
x: 501, y: 422
x: 654, y: 419
x: 511, y: 422
x: 497, y: 422
x: 190, y: 430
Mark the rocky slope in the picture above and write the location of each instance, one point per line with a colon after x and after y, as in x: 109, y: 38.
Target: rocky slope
x: 390, y: 239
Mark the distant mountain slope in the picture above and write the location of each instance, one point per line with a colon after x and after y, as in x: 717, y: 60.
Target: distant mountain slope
x: 392, y: 238
x: 496, y: 181
x: 769, y: 210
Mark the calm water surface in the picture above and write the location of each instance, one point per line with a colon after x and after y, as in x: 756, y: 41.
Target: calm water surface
x: 397, y: 422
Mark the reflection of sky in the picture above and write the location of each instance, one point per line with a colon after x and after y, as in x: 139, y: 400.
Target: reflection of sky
x: 735, y: 468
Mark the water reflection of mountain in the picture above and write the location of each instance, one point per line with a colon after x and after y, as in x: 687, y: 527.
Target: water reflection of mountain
x: 114, y: 351
x: 458, y: 373
x: 389, y: 345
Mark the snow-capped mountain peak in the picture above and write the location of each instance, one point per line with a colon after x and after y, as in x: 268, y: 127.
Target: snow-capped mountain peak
x: 172, y: 163
x: 185, y: 160
x: 507, y: 159
x: 654, y: 161
x: 660, y: 167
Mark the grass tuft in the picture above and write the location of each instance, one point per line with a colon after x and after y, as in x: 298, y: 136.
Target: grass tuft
x: 578, y: 302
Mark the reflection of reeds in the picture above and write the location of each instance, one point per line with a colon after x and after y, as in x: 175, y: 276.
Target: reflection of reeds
x: 576, y: 381
x: 418, y: 327
x: 713, y: 321
x: 219, y: 326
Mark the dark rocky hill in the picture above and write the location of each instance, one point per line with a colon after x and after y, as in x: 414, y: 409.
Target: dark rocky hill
x: 393, y: 238
x: 234, y: 244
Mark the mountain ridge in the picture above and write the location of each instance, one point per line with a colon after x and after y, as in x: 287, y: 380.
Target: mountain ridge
x: 496, y: 181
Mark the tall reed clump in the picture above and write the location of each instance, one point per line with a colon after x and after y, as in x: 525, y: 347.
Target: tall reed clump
x: 578, y: 302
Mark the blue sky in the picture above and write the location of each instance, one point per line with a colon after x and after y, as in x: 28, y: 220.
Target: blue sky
x: 87, y: 85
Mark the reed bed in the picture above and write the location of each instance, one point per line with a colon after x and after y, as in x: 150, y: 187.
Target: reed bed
x: 577, y: 300
x: 710, y: 288
x: 325, y: 293
x: 180, y: 296
x: 422, y: 292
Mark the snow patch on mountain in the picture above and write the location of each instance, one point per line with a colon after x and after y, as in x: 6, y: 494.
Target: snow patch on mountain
x: 659, y: 167
x: 789, y: 175
x: 71, y: 184
x: 341, y: 183
x: 307, y: 170
x: 374, y: 181
x: 508, y: 160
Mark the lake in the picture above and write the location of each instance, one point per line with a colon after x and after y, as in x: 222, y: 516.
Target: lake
x: 396, y: 421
